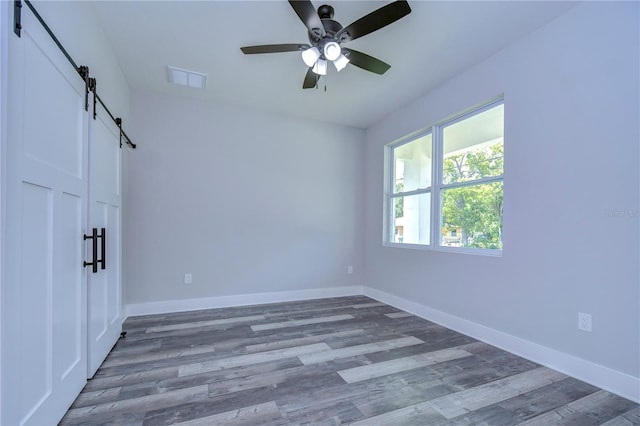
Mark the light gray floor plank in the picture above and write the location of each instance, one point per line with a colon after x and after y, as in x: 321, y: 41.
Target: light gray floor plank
x: 196, y: 324
x: 631, y: 417
x: 255, y: 358
x: 110, y: 381
x: 255, y: 414
x: 384, y: 368
x: 324, y: 356
x: 157, y: 355
x: 594, y: 409
x: 300, y: 322
x: 367, y: 305
x: 462, y: 402
x: 418, y: 414
x: 395, y: 315
x: 279, y: 344
x: 143, y: 403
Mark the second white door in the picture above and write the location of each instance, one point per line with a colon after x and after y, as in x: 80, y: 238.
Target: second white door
x: 105, y: 200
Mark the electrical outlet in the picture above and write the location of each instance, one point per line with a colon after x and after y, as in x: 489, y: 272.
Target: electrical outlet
x: 584, y: 322
x: 188, y: 278
x: 350, y: 269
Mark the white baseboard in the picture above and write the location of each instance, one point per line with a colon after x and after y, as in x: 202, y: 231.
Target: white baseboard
x: 182, y: 305
x: 606, y: 378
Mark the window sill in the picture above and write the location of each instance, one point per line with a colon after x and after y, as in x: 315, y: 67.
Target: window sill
x: 455, y: 250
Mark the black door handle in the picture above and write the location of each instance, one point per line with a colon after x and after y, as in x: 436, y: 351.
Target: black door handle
x: 94, y: 237
x: 103, y: 246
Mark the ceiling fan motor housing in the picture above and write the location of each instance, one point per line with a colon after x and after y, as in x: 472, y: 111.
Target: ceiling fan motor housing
x: 331, y: 27
x: 325, y: 11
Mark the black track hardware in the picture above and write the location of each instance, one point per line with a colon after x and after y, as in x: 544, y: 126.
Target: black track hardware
x: 83, y: 71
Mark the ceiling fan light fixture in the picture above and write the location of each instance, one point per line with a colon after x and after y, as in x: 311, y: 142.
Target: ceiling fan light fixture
x: 332, y: 51
x: 310, y: 56
x: 341, y: 62
x: 320, y: 67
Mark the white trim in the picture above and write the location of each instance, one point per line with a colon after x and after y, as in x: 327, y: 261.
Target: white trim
x: 476, y: 182
x: 469, y: 250
x: 182, y: 305
x: 598, y: 375
x: 445, y: 249
x: 5, y: 24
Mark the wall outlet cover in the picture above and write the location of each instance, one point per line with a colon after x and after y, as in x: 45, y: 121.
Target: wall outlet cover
x: 584, y: 322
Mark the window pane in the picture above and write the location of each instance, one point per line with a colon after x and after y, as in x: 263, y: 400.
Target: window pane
x: 411, y: 219
x: 472, y: 216
x: 412, y: 165
x: 474, y: 147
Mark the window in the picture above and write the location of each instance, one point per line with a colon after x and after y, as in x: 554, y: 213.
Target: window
x: 453, y: 173
x: 411, y: 191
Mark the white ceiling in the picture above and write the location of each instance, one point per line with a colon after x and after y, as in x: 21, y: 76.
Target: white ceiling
x: 436, y: 41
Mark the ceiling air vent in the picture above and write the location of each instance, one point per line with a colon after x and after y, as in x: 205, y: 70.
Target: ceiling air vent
x: 187, y: 78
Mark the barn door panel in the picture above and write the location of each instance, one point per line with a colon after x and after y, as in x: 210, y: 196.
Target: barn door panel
x: 44, y: 286
x: 105, y: 199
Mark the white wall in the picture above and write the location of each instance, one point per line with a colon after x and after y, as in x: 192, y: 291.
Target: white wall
x: 248, y: 202
x: 572, y: 127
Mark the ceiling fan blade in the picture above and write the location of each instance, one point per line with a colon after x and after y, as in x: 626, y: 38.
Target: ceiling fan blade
x: 308, y: 15
x: 375, y: 20
x: 366, y: 62
x: 310, y: 80
x: 273, y: 48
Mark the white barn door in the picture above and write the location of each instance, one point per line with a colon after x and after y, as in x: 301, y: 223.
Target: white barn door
x: 104, y: 286
x: 44, y: 331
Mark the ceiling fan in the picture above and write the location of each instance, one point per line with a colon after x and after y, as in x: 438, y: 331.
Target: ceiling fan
x: 327, y: 37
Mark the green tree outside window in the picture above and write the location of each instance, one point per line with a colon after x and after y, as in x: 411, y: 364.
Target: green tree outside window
x: 476, y: 209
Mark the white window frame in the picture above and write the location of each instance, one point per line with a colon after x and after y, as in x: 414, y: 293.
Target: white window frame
x: 436, y: 188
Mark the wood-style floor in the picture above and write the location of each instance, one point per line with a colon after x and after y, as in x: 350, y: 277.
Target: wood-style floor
x: 347, y: 360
